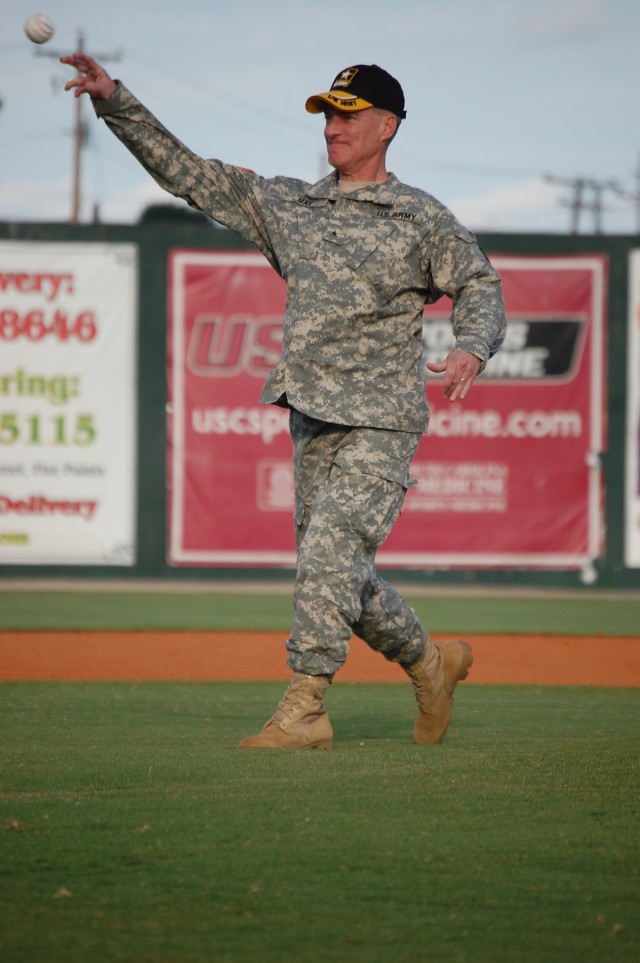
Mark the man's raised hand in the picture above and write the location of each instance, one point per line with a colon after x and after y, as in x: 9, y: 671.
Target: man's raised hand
x: 93, y: 80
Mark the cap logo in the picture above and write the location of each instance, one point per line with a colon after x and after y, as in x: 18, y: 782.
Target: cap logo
x: 345, y: 78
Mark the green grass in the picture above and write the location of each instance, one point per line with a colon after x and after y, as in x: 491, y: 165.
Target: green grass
x: 513, y: 842
x: 589, y: 615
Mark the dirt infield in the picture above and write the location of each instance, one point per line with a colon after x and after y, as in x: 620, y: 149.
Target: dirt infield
x: 137, y: 656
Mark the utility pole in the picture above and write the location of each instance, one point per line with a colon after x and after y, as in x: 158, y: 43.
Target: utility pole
x: 80, y: 128
x: 633, y: 195
x: 578, y: 202
x: 637, y: 197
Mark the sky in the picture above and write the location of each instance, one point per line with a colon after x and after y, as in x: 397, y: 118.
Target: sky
x: 501, y: 95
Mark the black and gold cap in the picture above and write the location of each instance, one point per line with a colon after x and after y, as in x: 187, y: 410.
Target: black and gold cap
x: 359, y: 87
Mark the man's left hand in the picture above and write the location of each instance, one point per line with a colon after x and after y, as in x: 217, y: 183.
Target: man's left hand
x: 460, y: 368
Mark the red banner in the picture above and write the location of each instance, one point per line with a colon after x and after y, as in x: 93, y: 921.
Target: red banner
x: 510, y: 477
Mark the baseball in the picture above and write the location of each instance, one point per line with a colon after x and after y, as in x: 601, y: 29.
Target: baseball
x: 38, y: 28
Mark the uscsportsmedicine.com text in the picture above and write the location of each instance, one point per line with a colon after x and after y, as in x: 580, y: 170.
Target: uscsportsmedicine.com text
x: 451, y: 422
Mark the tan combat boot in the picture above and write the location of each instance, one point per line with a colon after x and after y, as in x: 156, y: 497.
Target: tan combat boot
x: 300, y: 721
x: 434, y: 677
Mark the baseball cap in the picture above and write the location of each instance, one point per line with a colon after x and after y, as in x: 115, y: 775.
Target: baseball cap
x: 359, y: 87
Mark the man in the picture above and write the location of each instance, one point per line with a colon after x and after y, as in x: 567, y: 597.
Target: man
x: 361, y: 254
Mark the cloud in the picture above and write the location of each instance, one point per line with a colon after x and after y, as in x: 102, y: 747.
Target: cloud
x: 530, y: 205
x: 537, y: 206
x: 51, y: 202
x: 125, y: 205
x: 560, y: 20
x: 45, y: 200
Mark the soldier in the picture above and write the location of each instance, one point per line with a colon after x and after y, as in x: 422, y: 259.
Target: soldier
x: 361, y: 254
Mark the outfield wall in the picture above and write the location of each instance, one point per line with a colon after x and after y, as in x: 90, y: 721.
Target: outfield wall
x: 126, y: 290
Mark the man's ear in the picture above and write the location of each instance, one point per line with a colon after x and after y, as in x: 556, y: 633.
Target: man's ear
x: 389, y: 127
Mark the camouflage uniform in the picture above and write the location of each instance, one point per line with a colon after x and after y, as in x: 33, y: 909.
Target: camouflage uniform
x: 350, y: 486
x: 359, y: 268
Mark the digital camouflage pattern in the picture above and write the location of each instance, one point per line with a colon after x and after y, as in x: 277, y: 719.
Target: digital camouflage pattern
x: 359, y: 268
x: 356, y: 479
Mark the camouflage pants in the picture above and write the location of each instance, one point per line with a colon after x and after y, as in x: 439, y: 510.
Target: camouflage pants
x: 350, y: 485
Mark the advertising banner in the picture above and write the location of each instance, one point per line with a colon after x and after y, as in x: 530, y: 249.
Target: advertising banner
x: 67, y: 403
x: 510, y: 477
x: 632, y: 441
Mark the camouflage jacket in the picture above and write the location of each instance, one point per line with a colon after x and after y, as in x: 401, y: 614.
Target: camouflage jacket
x: 359, y: 268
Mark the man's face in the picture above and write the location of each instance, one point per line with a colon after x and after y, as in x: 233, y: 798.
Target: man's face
x: 355, y: 140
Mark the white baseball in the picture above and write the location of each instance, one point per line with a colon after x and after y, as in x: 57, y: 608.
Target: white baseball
x: 39, y: 28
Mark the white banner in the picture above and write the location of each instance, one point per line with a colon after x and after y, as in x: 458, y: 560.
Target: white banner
x: 68, y: 320
x: 632, y: 445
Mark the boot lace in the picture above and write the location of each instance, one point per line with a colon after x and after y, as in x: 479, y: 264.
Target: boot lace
x: 290, y: 702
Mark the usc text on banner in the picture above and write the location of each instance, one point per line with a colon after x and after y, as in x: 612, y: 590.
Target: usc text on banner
x: 67, y: 403
x: 509, y: 477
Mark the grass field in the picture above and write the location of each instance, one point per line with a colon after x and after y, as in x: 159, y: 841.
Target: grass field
x: 580, y: 614
x: 133, y: 830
